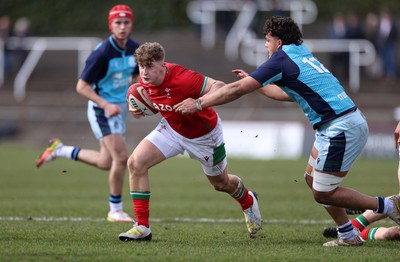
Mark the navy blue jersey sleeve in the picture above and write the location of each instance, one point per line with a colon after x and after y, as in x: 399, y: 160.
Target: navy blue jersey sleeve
x: 270, y: 71
x: 132, y: 46
x: 95, y: 67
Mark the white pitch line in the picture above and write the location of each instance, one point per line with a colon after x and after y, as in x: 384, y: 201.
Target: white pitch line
x: 177, y: 219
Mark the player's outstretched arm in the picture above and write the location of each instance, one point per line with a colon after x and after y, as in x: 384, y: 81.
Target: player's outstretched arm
x: 275, y: 92
x: 271, y: 91
x: 218, y: 96
x: 212, y: 85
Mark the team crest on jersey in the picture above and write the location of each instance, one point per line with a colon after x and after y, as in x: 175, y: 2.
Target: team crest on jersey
x: 117, y: 76
x: 162, y: 127
x: 131, y: 61
x: 167, y: 90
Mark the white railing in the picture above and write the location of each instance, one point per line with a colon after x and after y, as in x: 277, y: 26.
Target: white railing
x: 36, y: 47
x: 241, y: 41
x: 203, y: 12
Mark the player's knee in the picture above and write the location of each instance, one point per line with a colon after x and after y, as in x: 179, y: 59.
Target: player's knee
x: 134, y: 166
x: 324, y: 185
x: 323, y: 198
x: 104, y: 164
x: 221, y: 185
x: 121, y: 160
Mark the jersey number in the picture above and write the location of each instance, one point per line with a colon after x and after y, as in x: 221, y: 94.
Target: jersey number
x: 315, y: 64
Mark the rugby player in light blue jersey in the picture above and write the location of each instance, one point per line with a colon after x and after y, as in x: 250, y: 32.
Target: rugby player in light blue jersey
x: 292, y: 73
x: 107, y: 75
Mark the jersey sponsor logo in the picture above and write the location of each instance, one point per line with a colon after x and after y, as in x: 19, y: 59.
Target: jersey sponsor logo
x: 163, y: 107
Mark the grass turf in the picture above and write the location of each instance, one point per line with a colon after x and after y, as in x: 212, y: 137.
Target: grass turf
x: 57, y: 213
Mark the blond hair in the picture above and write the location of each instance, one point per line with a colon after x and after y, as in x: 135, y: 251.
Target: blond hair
x: 149, y: 52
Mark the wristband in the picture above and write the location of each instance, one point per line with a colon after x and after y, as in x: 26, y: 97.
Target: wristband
x: 198, y: 104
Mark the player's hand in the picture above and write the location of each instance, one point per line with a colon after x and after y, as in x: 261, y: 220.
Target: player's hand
x: 186, y: 107
x: 112, y: 109
x: 135, y: 112
x: 240, y: 73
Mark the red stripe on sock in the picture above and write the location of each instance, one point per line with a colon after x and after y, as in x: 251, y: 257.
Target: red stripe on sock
x: 142, y: 211
x: 364, y: 233
x: 246, y: 201
x: 357, y: 225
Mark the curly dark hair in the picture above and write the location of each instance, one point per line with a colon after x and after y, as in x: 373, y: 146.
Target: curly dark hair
x: 284, y: 28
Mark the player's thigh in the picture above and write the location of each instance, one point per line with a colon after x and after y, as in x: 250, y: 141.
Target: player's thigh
x: 339, y: 143
x: 157, y: 146
x: 209, y: 150
x: 311, y: 161
x: 145, y: 155
x: 103, y: 125
x: 116, y: 146
x: 167, y: 141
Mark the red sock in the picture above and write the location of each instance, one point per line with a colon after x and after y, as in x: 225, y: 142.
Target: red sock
x: 245, y: 200
x: 364, y: 233
x: 142, y: 211
x: 357, y: 225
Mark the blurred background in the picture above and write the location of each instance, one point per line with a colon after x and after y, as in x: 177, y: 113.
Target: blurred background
x: 44, y: 44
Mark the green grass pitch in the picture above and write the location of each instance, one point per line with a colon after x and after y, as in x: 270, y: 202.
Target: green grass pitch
x: 57, y: 213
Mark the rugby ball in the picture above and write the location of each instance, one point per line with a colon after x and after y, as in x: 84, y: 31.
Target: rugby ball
x: 139, y: 99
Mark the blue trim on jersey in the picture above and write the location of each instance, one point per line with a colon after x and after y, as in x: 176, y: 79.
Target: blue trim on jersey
x: 109, y: 68
x: 273, y: 79
x: 307, y: 82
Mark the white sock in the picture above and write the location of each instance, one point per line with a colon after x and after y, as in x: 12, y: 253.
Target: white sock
x: 388, y: 206
x: 346, y: 231
x: 65, y: 151
x: 115, y: 206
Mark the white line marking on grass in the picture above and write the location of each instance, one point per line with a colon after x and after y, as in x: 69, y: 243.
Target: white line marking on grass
x: 177, y: 219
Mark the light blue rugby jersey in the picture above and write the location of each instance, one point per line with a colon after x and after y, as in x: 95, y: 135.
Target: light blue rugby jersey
x: 294, y: 69
x: 109, y: 69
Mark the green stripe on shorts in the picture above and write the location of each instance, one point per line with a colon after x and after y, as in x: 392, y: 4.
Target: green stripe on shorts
x: 219, y: 154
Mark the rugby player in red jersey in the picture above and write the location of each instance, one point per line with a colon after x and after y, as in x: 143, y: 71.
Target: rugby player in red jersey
x: 199, y: 135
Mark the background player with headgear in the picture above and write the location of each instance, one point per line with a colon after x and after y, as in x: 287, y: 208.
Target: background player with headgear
x: 109, y: 71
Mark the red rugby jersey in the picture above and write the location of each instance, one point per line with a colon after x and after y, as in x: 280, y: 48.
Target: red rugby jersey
x: 181, y: 83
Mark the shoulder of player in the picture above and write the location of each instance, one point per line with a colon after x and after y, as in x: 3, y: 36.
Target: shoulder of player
x: 176, y: 68
x: 132, y: 45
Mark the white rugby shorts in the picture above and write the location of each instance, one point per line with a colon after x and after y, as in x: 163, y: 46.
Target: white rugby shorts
x: 208, y: 149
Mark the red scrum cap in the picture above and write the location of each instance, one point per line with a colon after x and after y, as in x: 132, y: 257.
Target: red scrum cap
x: 119, y: 11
